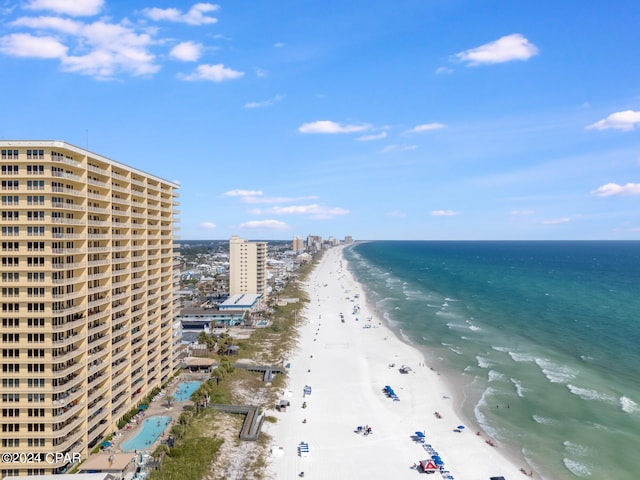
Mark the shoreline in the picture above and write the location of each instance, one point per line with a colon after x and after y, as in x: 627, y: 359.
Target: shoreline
x: 347, y: 364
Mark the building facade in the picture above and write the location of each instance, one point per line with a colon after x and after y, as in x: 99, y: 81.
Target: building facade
x: 298, y: 244
x: 247, y: 267
x: 87, y: 285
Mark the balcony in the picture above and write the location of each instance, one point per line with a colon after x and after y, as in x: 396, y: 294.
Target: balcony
x: 69, y: 325
x: 67, y: 356
x: 70, y: 340
x: 68, y: 310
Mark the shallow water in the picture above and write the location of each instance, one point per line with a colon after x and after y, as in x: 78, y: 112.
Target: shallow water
x: 542, y: 337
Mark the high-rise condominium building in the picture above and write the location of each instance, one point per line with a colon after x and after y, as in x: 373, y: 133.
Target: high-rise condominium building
x: 298, y: 244
x: 247, y: 267
x: 87, y: 297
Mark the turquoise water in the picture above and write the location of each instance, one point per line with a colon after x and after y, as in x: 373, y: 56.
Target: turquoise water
x: 185, y: 390
x: 151, y: 429
x: 541, y: 338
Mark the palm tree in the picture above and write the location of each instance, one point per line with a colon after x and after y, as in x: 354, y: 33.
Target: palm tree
x: 170, y: 399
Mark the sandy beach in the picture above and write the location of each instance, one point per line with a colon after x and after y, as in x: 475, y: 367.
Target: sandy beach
x: 347, y: 365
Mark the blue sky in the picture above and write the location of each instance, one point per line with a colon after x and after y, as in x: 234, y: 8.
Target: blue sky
x: 380, y: 119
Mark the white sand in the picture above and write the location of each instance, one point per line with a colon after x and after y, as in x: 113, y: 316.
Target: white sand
x: 347, y: 366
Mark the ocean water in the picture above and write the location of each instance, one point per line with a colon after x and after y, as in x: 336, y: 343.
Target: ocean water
x: 542, y: 338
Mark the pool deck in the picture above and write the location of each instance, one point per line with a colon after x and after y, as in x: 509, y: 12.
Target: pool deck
x: 157, y: 408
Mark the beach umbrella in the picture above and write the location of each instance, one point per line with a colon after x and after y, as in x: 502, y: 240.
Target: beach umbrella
x: 143, y: 407
x: 420, y: 434
x: 460, y: 427
x: 106, y: 444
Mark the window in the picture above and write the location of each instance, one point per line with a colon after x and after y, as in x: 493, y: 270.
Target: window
x: 10, y: 397
x: 34, y: 382
x: 35, y: 397
x: 35, y: 200
x: 11, y: 383
x: 35, y: 169
x: 34, y: 185
x: 10, y: 277
x: 10, y: 307
x: 10, y: 353
x: 35, y: 322
x: 10, y: 442
x: 35, y: 261
x: 34, y: 216
x: 10, y: 216
x: 35, y: 231
x: 36, y: 442
x: 10, y: 412
x: 10, y: 246
x: 10, y: 292
x: 11, y: 368
x: 10, y: 261
x: 10, y: 337
x: 35, y: 154
x: 35, y: 246
x: 9, y: 169
x: 35, y: 292
x: 10, y: 322
x: 13, y: 185
x: 35, y: 307
x: 10, y: 231
x: 9, y: 200
x: 35, y: 277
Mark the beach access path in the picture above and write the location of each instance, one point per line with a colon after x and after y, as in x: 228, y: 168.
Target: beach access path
x: 347, y: 365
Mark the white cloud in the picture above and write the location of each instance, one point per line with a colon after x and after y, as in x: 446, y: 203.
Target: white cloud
x: 505, y: 49
x: 115, y: 48
x: 396, y: 213
x: 64, y: 25
x: 186, y: 51
x: 214, y: 73
x: 265, y: 103
x: 255, y: 211
x: 264, y: 225
x: 327, y: 126
x: 74, y: 8
x: 195, y: 16
x: 207, y: 225
x: 261, y: 72
x: 426, y: 127
x: 97, y: 49
x: 557, y: 221
x: 613, y: 189
x: 398, y: 148
x: 314, y: 211
x: 522, y: 212
x: 443, y: 70
x: 376, y: 136
x: 243, y: 193
x: 444, y: 213
x: 625, y: 121
x: 25, y: 45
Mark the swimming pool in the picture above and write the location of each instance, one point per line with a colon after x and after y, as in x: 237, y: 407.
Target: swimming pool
x: 151, y: 429
x: 185, y: 390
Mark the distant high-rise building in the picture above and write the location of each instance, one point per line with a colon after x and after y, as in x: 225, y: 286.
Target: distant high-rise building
x: 247, y: 266
x: 298, y: 244
x: 87, y: 297
x: 348, y: 239
x: 314, y: 243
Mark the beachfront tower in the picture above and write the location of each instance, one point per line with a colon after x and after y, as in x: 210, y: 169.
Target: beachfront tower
x: 247, y: 267
x: 298, y: 244
x: 87, y: 297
